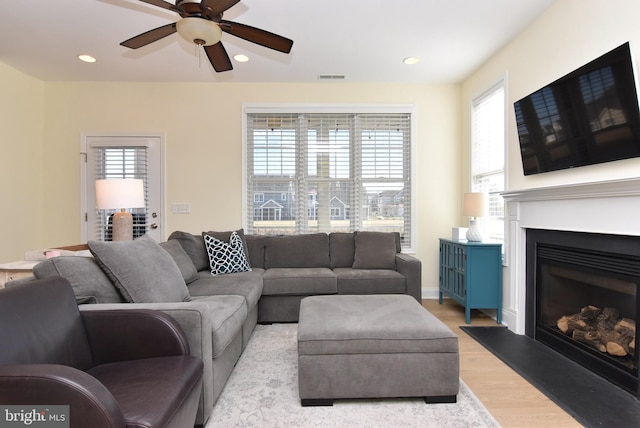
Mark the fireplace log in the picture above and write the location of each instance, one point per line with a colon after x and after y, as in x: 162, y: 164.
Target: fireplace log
x: 608, y: 319
x: 590, y: 313
x: 618, y: 343
x: 616, y: 349
x: 601, y: 329
x: 568, y: 324
x: 591, y: 338
x: 626, y: 325
x: 627, y: 328
x: 587, y: 319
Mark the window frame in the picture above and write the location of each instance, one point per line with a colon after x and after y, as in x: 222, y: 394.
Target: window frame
x: 408, y: 109
x: 500, y: 84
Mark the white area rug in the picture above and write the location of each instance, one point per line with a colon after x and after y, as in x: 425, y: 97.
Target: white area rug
x: 263, y: 392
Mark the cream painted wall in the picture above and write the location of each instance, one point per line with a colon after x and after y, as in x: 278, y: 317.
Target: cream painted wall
x: 567, y: 36
x: 203, y: 128
x: 21, y: 163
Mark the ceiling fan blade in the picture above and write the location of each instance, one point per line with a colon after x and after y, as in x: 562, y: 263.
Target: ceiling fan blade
x: 216, y: 7
x: 163, y: 4
x: 218, y: 57
x: 150, y: 36
x: 256, y: 35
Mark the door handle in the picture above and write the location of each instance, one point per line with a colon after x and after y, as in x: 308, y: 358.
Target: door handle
x: 153, y: 226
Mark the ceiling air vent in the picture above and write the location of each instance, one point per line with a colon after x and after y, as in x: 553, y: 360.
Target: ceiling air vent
x: 331, y: 77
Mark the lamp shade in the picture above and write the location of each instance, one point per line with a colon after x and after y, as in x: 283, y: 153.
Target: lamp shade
x: 475, y: 204
x: 118, y: 193
x: 199, y: 31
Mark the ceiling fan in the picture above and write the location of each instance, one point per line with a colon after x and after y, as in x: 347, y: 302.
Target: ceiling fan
x: 203, y: 25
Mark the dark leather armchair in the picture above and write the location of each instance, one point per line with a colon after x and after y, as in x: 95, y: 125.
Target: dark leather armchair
x: 126, y: 368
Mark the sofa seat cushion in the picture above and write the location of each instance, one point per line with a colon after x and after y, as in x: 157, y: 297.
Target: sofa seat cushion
x: 228, y: 314
x: 370, y: 281
x: 245, y: 284
x: 299, y: 281
x: 150, y: 391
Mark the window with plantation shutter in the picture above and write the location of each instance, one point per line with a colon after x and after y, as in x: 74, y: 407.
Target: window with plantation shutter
x: 487, y: 157
x: 329, y: 171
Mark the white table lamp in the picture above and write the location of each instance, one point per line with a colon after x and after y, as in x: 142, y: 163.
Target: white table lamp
x: 475, y: 205
x: 122, y: 194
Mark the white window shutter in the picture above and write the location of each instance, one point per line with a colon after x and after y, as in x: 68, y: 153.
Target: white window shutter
x: 340, y: 172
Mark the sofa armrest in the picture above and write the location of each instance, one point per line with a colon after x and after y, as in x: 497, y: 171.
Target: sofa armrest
x: 132, y: 334
x: 51, y: 384
x: 411, y: 268
x: 195, y: 320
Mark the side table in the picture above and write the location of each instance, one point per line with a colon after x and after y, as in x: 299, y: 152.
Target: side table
x: 15, y: 270
x: 471, y: 274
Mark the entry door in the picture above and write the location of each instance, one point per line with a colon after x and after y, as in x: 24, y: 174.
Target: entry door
x: 137, y: 156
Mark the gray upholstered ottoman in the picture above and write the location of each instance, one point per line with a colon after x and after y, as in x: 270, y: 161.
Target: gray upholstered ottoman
x: 374, y: 346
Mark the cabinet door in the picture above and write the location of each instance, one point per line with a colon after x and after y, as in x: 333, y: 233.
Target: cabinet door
x: 460, y: 269
x: 453, y: 261
x: 445, y: 266
x: 484, y: 276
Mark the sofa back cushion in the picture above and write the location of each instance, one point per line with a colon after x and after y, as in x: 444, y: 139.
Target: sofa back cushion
x: 90, y: 284
x: 194, y: 246
x: 141, y: 269
x: 304, y: 251
x: 255, y: 250
x: 182, y: 259
x: 342, y: 246
x: 42, y: 325
x: 376, y: 250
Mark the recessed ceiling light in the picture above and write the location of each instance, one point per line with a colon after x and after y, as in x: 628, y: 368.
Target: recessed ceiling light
x: 241, y: 58
x: 410, y: 60
x: 86, y: 58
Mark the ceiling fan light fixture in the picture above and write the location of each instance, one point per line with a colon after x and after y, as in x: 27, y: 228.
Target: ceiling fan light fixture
x: 199, y: 31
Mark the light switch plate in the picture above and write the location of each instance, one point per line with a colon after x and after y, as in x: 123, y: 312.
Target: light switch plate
x: 181, y: 208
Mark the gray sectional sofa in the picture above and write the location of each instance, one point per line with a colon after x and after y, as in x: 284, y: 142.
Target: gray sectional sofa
x: 219, y: 312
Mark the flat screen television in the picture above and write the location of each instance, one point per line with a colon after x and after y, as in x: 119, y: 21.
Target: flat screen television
x: 587, y: 117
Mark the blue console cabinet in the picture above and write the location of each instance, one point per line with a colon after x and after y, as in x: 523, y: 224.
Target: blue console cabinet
x: 471, y: 274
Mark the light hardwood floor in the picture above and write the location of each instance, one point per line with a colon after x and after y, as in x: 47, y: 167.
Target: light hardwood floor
x: 512, y: 400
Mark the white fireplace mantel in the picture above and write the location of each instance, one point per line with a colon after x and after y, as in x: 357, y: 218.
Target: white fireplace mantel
x: 611, y: 207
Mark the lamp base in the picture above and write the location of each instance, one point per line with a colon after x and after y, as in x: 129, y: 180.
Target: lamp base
x: 473, y: 233
x: 122, y: 226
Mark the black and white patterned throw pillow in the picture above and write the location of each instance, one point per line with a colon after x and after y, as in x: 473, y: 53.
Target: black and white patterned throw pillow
x: 226, y: 257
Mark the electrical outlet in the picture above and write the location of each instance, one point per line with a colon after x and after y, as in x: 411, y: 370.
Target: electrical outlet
x: 181, y: 208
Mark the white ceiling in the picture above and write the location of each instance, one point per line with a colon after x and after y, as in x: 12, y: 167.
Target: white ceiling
x: 365, y: 40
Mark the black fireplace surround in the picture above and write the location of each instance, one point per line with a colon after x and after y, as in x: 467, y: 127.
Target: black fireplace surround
x: 582, y: 300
